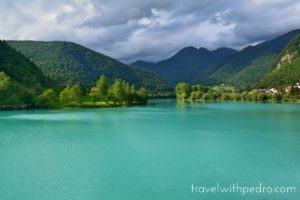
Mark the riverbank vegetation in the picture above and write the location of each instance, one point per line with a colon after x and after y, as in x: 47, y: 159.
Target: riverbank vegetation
x: 14, y: 95
x: 184, y: 91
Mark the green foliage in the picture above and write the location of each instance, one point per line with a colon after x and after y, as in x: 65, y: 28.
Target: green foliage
x: 12, y: 92
x: 223, y: 89
x: 142, y: 95
x: 119, y: 92
x: 95, y: 94
x: 5, y: 82
x: 99, y: 92
x: 102, y: 85
x: 71, y: 95
x: 262, y: 97
x: 240, y: 69
x: 251, y: 63
x: 286, y: 70
x: 183, y: 90
x: 200, y: 88
x: 20, y: 79
x: 196, y: 95
x: 48, y: 97
x: 189, y: 64
x: 70, y: 63
x: 228, y: 93
x: 64, y: 96
x: 20, y: 69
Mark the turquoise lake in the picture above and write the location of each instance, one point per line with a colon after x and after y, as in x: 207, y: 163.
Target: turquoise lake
x: 154, y: 152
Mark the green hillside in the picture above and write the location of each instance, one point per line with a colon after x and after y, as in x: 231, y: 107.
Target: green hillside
x: 70, y: 63
x: 20, y: 79
x: 222, y: 66
x: 286, y: 70
x: 19, y: 68
x: 189, y: 64
x: 252, y: 63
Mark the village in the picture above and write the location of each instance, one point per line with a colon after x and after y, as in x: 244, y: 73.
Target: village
x: 285, y: 90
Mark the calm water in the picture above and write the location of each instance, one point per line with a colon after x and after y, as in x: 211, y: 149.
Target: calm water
x: 149, y: 153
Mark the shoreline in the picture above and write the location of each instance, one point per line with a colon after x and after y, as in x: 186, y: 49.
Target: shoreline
x: 87, y: 106
x: 57, y: 107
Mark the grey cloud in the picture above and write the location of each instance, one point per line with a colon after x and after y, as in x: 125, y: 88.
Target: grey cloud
x: 151, y: 29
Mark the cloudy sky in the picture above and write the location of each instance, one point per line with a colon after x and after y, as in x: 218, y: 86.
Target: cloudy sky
x: 148, y: 29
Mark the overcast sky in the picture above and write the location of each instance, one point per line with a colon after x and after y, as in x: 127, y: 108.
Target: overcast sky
x: 148, y: 29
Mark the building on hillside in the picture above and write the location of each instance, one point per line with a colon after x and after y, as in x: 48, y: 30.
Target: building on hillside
x: 272, y: 90
x: 268, y: 91
x: 288, y: 89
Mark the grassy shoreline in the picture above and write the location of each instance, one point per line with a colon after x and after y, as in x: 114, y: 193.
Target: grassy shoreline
x: 66, y: 106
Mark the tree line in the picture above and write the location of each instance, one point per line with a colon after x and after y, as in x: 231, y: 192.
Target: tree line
x: 104, y: 93
x: 185, y: 91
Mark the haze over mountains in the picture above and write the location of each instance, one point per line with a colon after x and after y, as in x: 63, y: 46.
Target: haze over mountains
x: 238, y: 68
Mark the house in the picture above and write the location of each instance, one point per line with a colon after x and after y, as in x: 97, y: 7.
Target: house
x: 297, y: 85
x: 268, y: 91
x: 288, y: 89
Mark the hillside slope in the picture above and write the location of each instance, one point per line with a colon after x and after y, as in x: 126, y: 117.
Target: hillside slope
x: 286, y: 70
x: 70, y: 63
x: 19, y: 68
x: 188, y: 64
x: 252, y: 63
x: 240, y: 69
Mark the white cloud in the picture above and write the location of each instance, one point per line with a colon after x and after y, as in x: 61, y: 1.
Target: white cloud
x: 149, y: 29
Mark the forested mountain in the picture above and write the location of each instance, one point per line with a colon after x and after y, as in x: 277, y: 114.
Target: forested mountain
x: 20, y: 79
x: 240, y: 69
x: 286, y: 70
x: 19, y: 68
x: 188, y: 64
x: 70, y: 63
x: 252, y: 63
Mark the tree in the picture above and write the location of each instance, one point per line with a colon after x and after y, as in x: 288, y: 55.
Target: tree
x: 64, y: 96
x: 102, y: 86
x: 262, y: 97
x: 183, y: 90
x: 196, y: 95
x: 25, y: 97
x: 294, y: 91
x: 95, y: 94
x: 142, y: 95
x: 127, y: 91
x: 117, y: 90
x: 5, y: 81
x: 5, y: 84
x: 133, y: 93
x: 48, y: 97
x: 76, y: 93
x: 71, y: 94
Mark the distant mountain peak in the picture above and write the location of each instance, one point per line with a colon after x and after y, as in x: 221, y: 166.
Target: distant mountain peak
x: 225, y: 49
x: 222, y: 65
x: 203, y: 49
x: 187, y: 50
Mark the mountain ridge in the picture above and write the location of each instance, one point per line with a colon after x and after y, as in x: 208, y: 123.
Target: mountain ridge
x: 238, y: 68
x: 189, y: 62
x: 286, y: 69
x: 19, y: 68
x: 69, y: 63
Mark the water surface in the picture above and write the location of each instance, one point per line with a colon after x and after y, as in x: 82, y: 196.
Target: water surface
x: 152, y: 152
